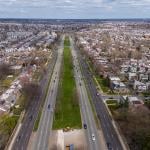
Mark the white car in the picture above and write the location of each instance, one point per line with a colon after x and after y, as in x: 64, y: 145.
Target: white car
x: 93, y: 137
x: 97, y: 93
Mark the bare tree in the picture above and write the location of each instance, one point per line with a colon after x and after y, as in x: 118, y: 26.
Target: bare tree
x: 4, y: 70
x: 135, y: 126
x: 31, y: 92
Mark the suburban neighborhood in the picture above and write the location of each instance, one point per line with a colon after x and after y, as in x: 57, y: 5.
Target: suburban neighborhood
x: 78, y: 85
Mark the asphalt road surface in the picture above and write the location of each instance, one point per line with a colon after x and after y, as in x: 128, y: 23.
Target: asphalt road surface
x: 86, y: 110
x: 22, y: 139
x: 45, y: 125
x: 111, y: 137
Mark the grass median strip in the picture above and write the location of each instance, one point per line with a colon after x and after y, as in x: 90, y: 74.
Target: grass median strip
x: 67, y: 113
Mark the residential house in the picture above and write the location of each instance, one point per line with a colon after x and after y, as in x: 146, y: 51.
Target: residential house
x: 9, y: 97
x: 132, y: 100
x: 117, y: 86
x: 139, y: 86
x: 135, y: 101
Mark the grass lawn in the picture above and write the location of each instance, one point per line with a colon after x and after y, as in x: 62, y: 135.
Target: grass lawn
x: 6, y: 83
x: 111, y: 102
x: 103, y: 83
x: 146, y: 94
x: 67, y: 113
x: 67, y: 42
x: 22, y: 100
x: 8, y: 123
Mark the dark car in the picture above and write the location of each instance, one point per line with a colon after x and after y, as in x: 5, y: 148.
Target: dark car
x: 19, y: 137
x: 31, y: 117
x: 80, y: 83
x: 85, y: 126
x: 109, y: 146
x: 49, y: 106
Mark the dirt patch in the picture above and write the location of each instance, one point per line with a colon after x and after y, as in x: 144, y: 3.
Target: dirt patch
x: 77, y: 138
x: 59, y: 140
x: 31, y: 141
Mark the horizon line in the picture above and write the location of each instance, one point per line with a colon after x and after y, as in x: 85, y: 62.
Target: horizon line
x: 74, y: 18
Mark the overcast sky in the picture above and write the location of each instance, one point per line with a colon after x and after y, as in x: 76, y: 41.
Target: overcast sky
x: 75, y: 9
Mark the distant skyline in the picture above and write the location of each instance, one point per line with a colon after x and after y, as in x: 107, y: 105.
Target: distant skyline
x: 75, y: 9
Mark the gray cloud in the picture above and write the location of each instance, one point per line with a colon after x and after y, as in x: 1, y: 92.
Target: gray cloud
x: 75, y: 8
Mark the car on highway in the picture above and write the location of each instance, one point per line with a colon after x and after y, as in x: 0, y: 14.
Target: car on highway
x: 49, y: 106
x: 93, y: 137
x: 85, y: 126
x: 80, y: 83
x: 109, y: 146
x: 19, y: 137
x: 97, y: 93
x: 31, y: 117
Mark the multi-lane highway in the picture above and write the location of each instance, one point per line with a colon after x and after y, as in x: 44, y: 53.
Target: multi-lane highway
x: 22, y: 139
x: 110, y: 134
x: 42, y: 139
x: 93, y: 143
